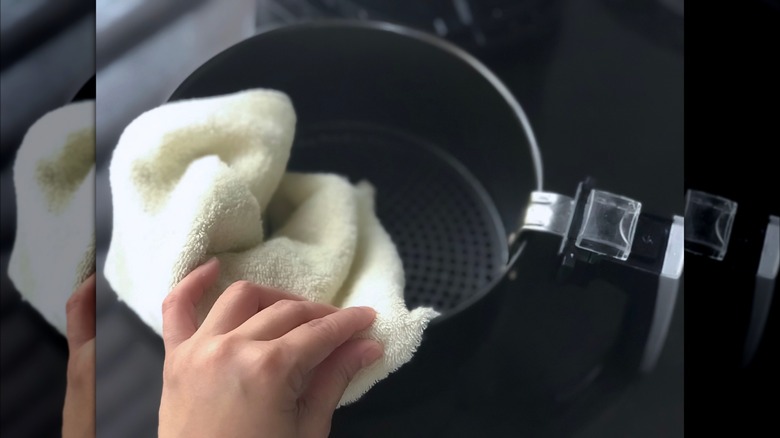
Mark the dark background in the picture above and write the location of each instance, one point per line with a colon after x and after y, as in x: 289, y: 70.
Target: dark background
x: 731, y: 150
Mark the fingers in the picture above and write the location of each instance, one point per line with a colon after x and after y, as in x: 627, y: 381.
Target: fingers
x: 80, y: 393
x: 241, y: 301
x: 315, y: 340
x: 78, y: 413
x: 282, y: 316
x: 179, y: 317
x: 333, y: 375
x: 80, y: 314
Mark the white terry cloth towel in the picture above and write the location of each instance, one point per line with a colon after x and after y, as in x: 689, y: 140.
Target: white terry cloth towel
x: 206, y: 177
x: 54, y: 180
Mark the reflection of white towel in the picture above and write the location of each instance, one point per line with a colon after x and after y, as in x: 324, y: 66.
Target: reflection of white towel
x: 54, y: 178
x: 203, y: 177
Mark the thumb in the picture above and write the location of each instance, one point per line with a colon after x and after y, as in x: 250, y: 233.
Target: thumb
x: 80, y: 314
x: 178, y: 310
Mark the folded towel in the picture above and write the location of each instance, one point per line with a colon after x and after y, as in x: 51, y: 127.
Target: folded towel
x: 54, y: 179
x: 206, y: 177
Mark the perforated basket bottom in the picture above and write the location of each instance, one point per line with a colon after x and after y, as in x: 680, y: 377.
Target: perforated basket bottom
x: 442, y: 221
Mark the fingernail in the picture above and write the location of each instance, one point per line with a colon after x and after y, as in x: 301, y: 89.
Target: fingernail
x: 89, y: 281
x: 371, y: 353
x: 370, y: 309
x: 209, y: 263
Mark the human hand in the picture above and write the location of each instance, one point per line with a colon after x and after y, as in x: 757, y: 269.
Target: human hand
x: 78, y: 413
x: 263, y: 363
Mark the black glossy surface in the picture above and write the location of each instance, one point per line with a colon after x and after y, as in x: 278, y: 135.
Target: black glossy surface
x: 605, y: 100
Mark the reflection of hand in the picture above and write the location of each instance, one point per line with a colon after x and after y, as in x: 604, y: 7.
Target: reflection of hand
x: 54, y: 183
x: 78, y: 415
x: 263, y: 363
